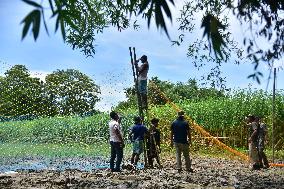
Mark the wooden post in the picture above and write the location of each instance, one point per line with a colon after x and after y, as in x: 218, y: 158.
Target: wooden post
x: 273, y: 115
x: 136, y: 85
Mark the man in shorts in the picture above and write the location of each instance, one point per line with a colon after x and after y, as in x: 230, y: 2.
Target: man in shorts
x: 142, y: 79
x: 137, y: 135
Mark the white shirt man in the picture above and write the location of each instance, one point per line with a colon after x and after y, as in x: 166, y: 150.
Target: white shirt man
x: 115, y: 127
x: 116, y: 142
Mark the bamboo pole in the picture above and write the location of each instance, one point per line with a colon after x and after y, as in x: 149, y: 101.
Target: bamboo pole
x: 273, y: 115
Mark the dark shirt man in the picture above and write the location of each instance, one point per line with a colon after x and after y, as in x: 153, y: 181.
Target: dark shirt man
x: 181, y: 138
x: 261, y: 145
x: 153, y: 143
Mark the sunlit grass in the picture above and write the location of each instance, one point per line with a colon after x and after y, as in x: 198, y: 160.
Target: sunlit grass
x: 52, y: 150
x: 57, y: 150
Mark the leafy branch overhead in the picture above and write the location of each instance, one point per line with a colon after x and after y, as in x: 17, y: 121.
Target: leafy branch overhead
x: 212, y: 27
x: 33, y: 20
x: 81, y: 20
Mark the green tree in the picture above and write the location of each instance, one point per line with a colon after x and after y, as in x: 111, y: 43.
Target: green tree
x: 72, y: 91
x: 21, y: 94
x: 176, y: 92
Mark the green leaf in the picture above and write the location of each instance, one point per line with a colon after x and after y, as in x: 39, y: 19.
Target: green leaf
x: 206, y: 21
x: 160, y: 22
x: 251, y: 75
x: 257, y: 79
x: 33, y: 3
x: 259, y: 73
x: 212, y: 27
x: 27, y: 23
x: 51, y: 5
x: 156, y: 7
x: 44, y: 23
x: 166, y: 9
x: 63, y: 29
x: 57, y: 22
x: 144, y: 5
x: 36, y: 24
x: 32, y: 18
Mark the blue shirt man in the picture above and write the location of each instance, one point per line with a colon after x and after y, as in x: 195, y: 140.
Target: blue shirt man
x: 137, y: 135
x: 138, y: 131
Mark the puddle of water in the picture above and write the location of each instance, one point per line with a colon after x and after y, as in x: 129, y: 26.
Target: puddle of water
x: 58, y: 164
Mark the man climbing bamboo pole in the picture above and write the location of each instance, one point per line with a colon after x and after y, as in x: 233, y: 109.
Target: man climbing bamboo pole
x: 142, y: 79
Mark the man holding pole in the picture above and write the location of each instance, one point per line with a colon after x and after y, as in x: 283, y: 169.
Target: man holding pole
x: 137, y: 135
x: 142, y: 78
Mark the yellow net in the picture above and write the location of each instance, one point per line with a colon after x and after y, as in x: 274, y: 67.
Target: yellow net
x: 202, y: 131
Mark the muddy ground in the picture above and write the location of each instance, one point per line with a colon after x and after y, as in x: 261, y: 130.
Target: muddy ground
x: 91, y: 173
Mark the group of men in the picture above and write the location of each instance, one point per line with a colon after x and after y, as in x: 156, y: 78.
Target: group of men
x: 257, y: 139
x: 180, y: 134
x: 140, y: 135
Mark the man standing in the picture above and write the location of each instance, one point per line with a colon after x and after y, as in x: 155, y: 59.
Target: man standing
x: 137, y: 135
x: 253, y: 124
x: 116, y: 142
x: 181, y: 138
x: 142, y: 79
x: 261, y: 145
x: 154, y: 143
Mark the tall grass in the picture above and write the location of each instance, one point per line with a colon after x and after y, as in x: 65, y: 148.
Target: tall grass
x: 221, y: 117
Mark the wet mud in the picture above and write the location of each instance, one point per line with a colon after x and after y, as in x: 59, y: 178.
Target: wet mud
x: 93, y: 173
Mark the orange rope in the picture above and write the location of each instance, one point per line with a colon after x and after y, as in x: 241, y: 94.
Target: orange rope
x: 276, y: 165
x: 204, y: 132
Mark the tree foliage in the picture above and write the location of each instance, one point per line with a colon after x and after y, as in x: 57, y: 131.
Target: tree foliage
x: 72, y: 92
x: 64, y: 93
x: 21, y: 94
x: 174, y: 91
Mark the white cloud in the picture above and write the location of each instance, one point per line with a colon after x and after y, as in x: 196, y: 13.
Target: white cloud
x: 39, y: 74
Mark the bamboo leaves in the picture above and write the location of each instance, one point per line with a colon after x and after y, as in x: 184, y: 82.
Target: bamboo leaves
x: 33, y: 19
x: 212, y: 27
x: 157, y: 7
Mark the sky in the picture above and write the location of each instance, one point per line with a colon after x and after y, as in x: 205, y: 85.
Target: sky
x: 110, y: 68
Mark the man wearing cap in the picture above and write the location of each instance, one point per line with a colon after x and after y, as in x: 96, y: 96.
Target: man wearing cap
x: 181, y: 138
x: 142, y: 79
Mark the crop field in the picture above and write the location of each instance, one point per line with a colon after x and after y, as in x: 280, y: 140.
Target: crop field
x: 80, y: 143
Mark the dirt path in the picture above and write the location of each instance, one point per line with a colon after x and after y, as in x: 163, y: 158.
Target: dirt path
x: 208, y: 173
